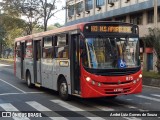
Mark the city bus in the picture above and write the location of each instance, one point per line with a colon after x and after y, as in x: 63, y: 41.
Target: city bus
x: 89, y: 60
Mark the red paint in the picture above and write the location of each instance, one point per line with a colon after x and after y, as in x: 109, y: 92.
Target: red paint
x: 92, y: 91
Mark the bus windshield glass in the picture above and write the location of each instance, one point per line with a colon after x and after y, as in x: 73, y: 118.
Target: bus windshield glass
x: 111, y: 53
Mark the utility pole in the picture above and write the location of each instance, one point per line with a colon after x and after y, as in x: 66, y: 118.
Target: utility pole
x: 155, y: 13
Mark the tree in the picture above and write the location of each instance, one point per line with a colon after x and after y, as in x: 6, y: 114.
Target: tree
x: 47, y: 10
x: 153, y: 40
x: 57, y: 25
x: 25, y: 8
x: 33, y: 10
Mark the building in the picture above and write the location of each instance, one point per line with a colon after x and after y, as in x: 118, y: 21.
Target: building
x: 145, y: 13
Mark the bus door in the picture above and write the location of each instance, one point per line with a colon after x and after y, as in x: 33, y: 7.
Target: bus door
x: 37, y: 61
x: 75, y: 63
x: 20, y: 59
x: 22, y: 47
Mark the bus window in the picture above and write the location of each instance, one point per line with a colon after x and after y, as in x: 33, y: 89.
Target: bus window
x: 48, y: 51
x: 18, y: 51
x: 62, y: 47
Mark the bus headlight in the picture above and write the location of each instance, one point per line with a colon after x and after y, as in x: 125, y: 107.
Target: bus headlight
x: 140, y: 76
x: 88, y: 79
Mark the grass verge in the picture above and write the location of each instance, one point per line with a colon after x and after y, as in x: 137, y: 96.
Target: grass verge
x: 147, y: 74
x: 7, y: 61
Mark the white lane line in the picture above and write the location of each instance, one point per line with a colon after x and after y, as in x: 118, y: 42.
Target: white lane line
x: 10, y: 107
x: 156, y: 95
x: 3, y: 94
x: 148, y: 98
x: 4, y: 65
x: 40, y: 108
x: 13, y: 86
x: 73, y: 108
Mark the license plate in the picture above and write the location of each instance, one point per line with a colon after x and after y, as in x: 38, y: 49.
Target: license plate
x: 118, y: 90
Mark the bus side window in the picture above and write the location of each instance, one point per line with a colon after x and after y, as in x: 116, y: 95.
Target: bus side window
x: 48, y: 50
x: 62, y: 48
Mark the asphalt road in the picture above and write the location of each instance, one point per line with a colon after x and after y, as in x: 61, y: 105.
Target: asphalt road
x: 18, y: 102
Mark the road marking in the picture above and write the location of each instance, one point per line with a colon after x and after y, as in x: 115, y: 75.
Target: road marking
x: 66, y: 105
x: 132, y: 118
x: 41, y: 108
x: 4, y: 65
x: 156, y: 95
x: 10, y: 107
x: 13, y: 86
x: 37, y: 106
x: 148, y: 98
x: 3, y: 94
x: 73, y: 108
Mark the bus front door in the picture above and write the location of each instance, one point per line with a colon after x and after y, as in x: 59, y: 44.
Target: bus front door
x: 75, y: 64
x: 37, y: 62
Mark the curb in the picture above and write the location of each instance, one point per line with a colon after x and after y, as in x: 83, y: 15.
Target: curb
x: 151, y: 82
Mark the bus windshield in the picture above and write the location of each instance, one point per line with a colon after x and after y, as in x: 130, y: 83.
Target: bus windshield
x: 111, y: 53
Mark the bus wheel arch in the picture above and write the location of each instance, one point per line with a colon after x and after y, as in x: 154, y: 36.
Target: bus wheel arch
x: 62, y: 88
x: 28, y: 79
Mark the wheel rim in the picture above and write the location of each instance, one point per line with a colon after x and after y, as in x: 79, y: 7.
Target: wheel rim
x: 63, y: 88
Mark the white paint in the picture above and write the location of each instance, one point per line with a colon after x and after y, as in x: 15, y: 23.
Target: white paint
x: 156, y: 95
x: 132, y: 118
x: 73, y: 108
x: 40, y: 108
x: 3, y: 94
x: 13, y: 86
x: 66, y: 105
x: 148, y: 98
x: 4, y: 65
x: 58, y: 118
x: 104, y: 108
x: 10, y: 107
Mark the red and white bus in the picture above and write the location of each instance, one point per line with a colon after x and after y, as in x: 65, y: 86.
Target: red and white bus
x: 95, y: 59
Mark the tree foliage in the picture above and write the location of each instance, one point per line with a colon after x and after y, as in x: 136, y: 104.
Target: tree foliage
x: 33, y: 11
x: 153, y: 40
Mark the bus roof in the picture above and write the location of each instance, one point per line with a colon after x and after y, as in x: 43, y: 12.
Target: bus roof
x: 61, y: 30
x: 50, y: 32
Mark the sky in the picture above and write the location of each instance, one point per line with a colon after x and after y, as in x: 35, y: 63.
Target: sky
x: 60, y: 16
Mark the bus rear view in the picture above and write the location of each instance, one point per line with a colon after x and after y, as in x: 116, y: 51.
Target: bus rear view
x: 110, y: 60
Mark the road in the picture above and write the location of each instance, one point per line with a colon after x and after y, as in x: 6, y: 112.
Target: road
x: 16, y: 97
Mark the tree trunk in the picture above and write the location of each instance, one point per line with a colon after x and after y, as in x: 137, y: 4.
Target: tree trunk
x: 158, y: 65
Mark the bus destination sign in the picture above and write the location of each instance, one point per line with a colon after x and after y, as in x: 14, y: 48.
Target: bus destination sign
x: 108, y: 29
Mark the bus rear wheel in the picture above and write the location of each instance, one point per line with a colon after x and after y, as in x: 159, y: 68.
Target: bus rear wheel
x: 63, y: 89
x: 28, y: 80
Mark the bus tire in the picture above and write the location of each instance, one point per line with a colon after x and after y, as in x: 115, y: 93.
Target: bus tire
x: 63, y: 89
x: 28, y: 80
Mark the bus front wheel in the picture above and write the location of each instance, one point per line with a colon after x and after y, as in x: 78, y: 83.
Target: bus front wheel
x: 63, y: 89
x: 29, y: 84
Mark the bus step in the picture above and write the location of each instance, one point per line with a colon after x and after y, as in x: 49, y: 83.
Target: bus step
x: 37, y: 85
x: 76, y: 95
